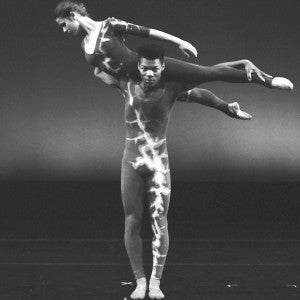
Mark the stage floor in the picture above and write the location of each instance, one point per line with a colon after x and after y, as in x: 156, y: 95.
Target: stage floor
x: 196, y: 269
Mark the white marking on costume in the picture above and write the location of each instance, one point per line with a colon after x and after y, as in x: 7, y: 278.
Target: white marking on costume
x: 107, y: 59
x: 189, y: 95
x: 129, y: 94
x: 151, y: 158
x: 103, y: 38
x: 90, y: 40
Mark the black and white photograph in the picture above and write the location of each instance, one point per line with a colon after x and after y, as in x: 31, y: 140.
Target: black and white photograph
x: 150, y: 149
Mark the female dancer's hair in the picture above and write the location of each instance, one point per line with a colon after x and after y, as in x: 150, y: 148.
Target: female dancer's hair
x: 151, y: 51
x: 64, y: 8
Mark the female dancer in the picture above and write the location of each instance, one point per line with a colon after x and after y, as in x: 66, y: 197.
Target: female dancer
x: 104, y: 48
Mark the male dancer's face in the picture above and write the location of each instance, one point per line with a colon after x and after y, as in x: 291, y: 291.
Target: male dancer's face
x: 150, y: 71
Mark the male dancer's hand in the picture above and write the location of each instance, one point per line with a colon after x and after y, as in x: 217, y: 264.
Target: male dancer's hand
x: 251, y: 68
x: 187, y: 47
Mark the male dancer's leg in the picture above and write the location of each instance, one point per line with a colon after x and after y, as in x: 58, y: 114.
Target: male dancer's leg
x: 158, y: 193
x: 133, y: 194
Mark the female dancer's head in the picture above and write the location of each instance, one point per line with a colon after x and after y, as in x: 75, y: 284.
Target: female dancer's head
x: 66, y: 12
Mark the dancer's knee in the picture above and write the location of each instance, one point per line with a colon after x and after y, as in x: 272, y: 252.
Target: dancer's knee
x: 160, y: 223
x: 133, y: 223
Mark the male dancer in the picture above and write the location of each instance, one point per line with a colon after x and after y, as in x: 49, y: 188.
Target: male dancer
x: 145, y: 165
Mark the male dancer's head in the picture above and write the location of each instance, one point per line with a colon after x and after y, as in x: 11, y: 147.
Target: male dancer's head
x: 151, y: 63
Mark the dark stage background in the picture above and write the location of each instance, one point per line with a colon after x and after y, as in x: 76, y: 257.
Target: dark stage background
x: 62, y: 131
x: 61, y: 123
x: 206, y: 211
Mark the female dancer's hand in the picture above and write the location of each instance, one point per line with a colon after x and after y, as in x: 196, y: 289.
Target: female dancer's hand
x: 186, y: 47
x: 251, y: 68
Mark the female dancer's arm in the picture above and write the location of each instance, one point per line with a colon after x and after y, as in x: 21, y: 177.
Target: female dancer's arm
x: 184, y: 46
x: 124, y: 27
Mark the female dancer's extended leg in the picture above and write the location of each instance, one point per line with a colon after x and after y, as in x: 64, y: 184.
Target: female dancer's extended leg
x: 177, y: 70
x: 181, y: 71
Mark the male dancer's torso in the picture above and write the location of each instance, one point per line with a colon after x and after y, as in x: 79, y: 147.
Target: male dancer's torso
x: 145, y: 170
x: 146, y: 120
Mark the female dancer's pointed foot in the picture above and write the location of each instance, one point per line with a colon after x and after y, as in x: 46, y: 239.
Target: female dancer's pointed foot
x: 282, y: 83
x: 140, y: 290
x: 272, y: 82
x: 237, y: 113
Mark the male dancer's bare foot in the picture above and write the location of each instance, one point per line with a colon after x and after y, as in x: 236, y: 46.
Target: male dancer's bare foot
x: 154, y: 289
x: 237, y: 113
x: 282, y: 83
x: 140, y: 290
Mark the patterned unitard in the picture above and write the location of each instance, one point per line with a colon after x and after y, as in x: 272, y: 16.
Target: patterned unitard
x: 112, y: 56
x: 145, y: 166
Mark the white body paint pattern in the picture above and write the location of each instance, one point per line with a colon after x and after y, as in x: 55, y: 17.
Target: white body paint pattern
x: 150, y: 158
x: 106, y: 35
x: 105, y: 38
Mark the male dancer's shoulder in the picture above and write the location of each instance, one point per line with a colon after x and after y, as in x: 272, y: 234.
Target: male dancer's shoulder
x: 176, y: 87
x: 125, y: 81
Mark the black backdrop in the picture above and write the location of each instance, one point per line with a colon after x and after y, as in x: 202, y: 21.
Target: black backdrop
x: 62, y: 130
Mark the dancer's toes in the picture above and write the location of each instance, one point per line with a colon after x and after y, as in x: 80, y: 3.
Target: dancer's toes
x: 155, y: 293
x: 282, y: 83
x: 140, y: 290
x: 154, y: 289
x: 139, y: 293
x: 237, y: 113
